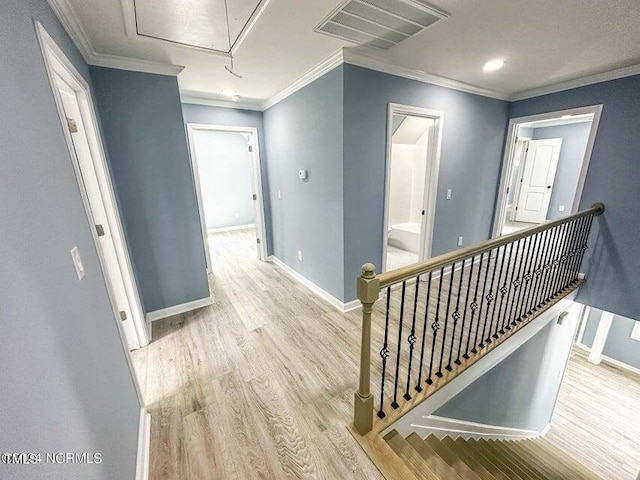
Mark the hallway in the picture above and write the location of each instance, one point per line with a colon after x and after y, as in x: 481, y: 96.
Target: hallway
x: 259, y: 385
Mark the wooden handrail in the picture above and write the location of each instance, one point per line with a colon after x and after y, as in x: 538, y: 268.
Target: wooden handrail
x: 405, y: 273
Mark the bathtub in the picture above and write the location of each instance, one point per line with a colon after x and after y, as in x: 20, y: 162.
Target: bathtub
x: 405, y: 236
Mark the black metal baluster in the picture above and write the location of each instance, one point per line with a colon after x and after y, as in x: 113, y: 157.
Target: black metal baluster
x: 495, y: 303
x: 535, y: 272
x: 435, y: 326
x: 446, y: 321
x: 581, y: 249
x: 464, y: 314
x: 395, y: 404
x: 569, y: 255
x: 384, y: 354
x: 412, y: 338
x: 519, y: 283
x: 418, y: 387
x: 482, y: 299
x: 549, y: 276
x: 490, y: 299
x: 456, y: 316
x: 545, y: 266
x: 551, y: 292
x: 562, y: 268
x: 528, y: 276
x: 474, y: 307
x: 513, y: 286
x: 503, y: 291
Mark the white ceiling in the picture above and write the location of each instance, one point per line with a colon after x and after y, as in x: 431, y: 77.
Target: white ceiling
x: 543, y: 42
x: 411, y: 130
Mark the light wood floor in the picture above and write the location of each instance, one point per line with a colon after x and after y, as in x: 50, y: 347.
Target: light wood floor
x: 260, y: 385
x: 597, y: 419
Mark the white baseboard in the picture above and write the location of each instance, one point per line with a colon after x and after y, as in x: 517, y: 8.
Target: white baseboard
x: 611, y: 361
x: 177, y: 309
x: 144, y: 446
x: 450, y: 427
x: 326, y: 296
x: 231, y: 228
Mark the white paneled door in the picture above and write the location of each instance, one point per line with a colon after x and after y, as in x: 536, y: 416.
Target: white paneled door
x: 537, y: 180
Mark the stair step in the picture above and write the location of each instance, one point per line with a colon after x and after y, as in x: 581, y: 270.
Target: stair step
x: 540, y: 462
x: 470, y: 460
x: 411, y: 457
x: 434, y: 461
x: 566, y: 459
x: 524, y: 469
x: 489, y: 464
x: 524, y: 458
x: 453, y: 460
x: 498, y: 460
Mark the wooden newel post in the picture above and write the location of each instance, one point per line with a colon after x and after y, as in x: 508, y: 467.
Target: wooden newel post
x: 368, y: 292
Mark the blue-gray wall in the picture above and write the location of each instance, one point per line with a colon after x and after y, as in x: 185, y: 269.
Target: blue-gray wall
x: 233, y: 117
x: 521, y: 391
x: 144, y: 133
x: 612, y: 262
x: 65, y: 384
x: 304, y: 131
x: 574, y: 145
x: 472, y: 144
x: 619, y: 345
x: 224, y: 170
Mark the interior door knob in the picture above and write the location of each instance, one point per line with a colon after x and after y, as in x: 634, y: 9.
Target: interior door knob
x: 548, y: 186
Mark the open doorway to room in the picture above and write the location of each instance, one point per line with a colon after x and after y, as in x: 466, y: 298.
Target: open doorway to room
x: 226, y: 168
x: 413, y: 150
x: 546, y: 162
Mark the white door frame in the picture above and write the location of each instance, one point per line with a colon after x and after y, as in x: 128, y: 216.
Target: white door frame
x: 434, y: 148
x: 56, y: 63
x: 509, y: 150
x: 256, y: 179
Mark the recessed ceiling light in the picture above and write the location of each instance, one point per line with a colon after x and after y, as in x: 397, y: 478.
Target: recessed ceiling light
x: 229, y: 92
x: 493, y: 65
x: 235, y: 98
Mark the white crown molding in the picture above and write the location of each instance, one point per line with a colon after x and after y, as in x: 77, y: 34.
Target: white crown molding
x: 373, y: 61
x: 211, y: 102
x: 577, y: 82
x: 316, y: 72
x: 71, y: 23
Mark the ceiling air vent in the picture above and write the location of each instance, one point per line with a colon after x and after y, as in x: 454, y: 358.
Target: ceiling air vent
x: 379, y: 23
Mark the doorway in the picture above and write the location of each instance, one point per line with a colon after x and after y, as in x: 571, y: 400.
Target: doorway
x: 544, y: 168
x: 228, y: 182
x: 413, y: 151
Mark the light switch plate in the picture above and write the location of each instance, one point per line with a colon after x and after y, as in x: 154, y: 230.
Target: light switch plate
x: 77, y: 263
x: 300, y: 255
x: 448, y: 194
x: 279, y: 193
x: 561, y: 208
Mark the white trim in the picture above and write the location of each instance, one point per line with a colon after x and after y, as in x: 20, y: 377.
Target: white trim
x: 584, y: 318
x: 328, y: 64
x: 482, y: 366
x: 635, y: 332
x: 211, y: 102
x: 509, y: 151
x: 256, y: 181
x: 144, y: 446
x: 577, y: 82
x: 326, y: 296
x: 73, y: 26
x: 454, y: 428
x: 611, y: 361
x: 178, y: 309
x: 545, y: 430
x: 231, y: 228
x: 375, y: 61
x: 604, y: 325
x: 432, y: 172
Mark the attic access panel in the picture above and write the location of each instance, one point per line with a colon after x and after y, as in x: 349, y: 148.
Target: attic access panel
x: 198, y: 24
x: 380, y: 23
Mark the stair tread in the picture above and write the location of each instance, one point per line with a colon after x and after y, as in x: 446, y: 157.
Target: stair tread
x: 471, y: 461
x: 411, y: 457
x: 525, y: 469
x: 525, y: 457
x: 436, y: 462
x: 565, y: 459
x: 497, y: 459
x: 453, y: 460
x: 473, y: 451
x: 542, y: 463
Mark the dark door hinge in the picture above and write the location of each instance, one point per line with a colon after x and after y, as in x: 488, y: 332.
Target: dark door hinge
x: 100, y: 230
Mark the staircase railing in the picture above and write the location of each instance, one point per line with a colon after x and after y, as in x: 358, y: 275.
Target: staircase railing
x: 441, y: 314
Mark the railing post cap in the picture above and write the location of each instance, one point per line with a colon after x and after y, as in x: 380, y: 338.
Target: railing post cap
x: 599, y: 206
x: 368, y: 270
